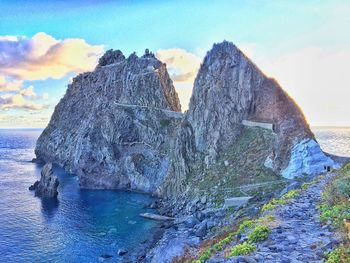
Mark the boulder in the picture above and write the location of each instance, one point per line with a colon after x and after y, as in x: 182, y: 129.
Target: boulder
x: 48, y: 184
x: 122, y: 251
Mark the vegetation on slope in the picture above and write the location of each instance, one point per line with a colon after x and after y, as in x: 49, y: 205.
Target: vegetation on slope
x: 335, y: 209
x: 257, y: 230
x: 241, y: 165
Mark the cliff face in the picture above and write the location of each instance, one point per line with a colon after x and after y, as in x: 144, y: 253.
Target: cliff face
x: 230, y: 91
x: 121, y: 127
x: 113, y: 126
x: 229, y: 88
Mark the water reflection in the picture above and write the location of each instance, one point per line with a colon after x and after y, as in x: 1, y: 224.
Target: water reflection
x: 49, y: 207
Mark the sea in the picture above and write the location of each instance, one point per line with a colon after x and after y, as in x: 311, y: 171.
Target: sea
x: 82, y: 225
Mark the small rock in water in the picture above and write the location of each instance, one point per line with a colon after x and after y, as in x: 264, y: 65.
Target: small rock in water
x: 122, y: 252
x: 48, y: 184
x: 106, y: 256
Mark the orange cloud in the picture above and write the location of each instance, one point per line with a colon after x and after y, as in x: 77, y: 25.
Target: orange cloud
x: 13, y: 85
x: 43, y: 57
x: 28, y: 92
x: 182, y: 65
x: 17, y: 101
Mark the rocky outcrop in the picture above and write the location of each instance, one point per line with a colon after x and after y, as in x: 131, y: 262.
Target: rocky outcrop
x: 120, y: 126
x: 229, y: 91
x: 307, y: 158
x: 114, y: 125
x: 48, y: 184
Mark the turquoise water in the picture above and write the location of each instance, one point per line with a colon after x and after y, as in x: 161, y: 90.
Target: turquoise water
x: 80, y: 227
x: 83, y: 224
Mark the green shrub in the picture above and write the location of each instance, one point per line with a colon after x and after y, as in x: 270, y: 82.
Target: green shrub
x: 269, y: 206
x: 290, y: 195
x: 265, y: 219
x: 259, y: 233
x: 242, y: 249
x: 338, y: 190
x: 335, y: 213
x: 339, y: 255
x: 335, y: 207
x: 333, y: 257
x: 205, y: 255
x: 305, y: 186
x: 245, y: 225
x: 218, y: 246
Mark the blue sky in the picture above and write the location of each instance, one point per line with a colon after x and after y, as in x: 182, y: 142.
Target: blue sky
x: 275, y: 34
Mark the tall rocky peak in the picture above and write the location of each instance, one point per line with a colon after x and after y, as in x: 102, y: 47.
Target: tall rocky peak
x: 231, y: 100
x: 114, y: 124
x: 229, y: 89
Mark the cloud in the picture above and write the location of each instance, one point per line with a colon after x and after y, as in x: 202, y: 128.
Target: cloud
x: 28, y: 92
x: 42, y: 57
x: 23, y: 121
x: 45, y: 96
x: 13, y: 85
x: 18, y: 101
x: 182, y: 65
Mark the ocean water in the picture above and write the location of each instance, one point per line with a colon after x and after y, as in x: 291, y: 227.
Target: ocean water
x: 80, y: 227
x: 83, y: 224
x: 334, y: 140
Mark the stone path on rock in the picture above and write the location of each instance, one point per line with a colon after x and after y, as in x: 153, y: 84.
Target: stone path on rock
x: 299, y: 235
x: 175, y: 114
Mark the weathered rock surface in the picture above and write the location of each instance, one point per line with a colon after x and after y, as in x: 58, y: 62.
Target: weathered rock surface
x: 113, y: 126
x: 121, y: 127
x: 48, y: 184
x: 300, y: 236
x: 230, y: 90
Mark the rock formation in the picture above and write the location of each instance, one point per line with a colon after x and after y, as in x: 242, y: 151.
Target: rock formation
x: 113, y: 126
x: 47, y: 186
x: 230, y: 91
x: 120, y: 126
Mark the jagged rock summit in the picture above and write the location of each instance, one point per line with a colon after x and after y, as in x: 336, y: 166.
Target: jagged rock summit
x: 231, y: 97
x: 230, y: 90
x: 48, y: 184
x: 113, y: 126
x: 120, y: 126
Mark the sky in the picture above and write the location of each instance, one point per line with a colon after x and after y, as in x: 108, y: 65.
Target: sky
x: 304, y: 45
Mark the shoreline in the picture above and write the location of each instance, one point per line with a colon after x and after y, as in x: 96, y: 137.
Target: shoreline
x: 160, y: 240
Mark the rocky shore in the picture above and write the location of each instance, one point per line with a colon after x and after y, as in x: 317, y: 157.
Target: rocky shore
x: 121, y: 127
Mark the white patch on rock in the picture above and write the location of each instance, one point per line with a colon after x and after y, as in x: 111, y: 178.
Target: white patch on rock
x: 269, y: 162
x: 307, y: 158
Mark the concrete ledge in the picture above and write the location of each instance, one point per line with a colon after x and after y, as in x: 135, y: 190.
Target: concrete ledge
x: 237, y: 201
x: 156, y: 217
x: 264, y: 125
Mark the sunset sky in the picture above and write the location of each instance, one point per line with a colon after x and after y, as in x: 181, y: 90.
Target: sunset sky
x: 305, y: 45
